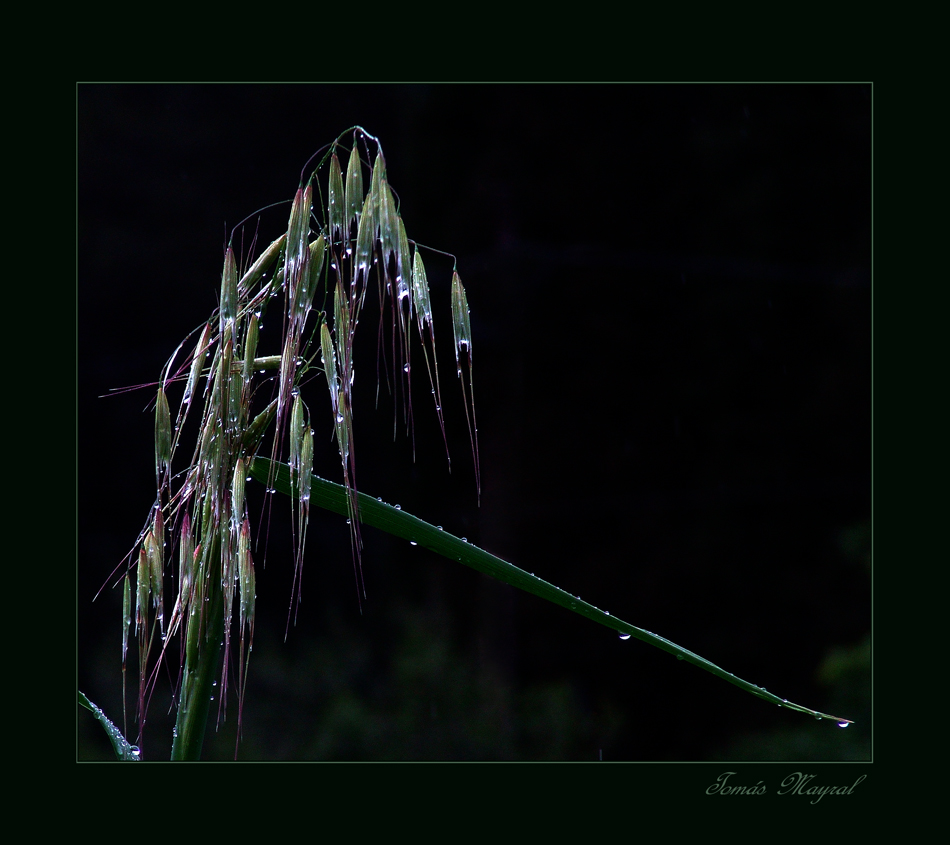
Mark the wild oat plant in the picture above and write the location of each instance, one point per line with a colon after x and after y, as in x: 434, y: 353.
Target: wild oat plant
x: 345, y: 236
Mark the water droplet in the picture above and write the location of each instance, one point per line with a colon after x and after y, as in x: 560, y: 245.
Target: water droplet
x: 439, y: 527
x: 405, y: 368
x: 398, y: 507
x: 413, y: 543
x: 843, y: 724
x: 679, y: 656
x: 624, y: 636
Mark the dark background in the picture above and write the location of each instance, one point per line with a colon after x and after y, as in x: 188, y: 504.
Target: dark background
x: 671, y: 306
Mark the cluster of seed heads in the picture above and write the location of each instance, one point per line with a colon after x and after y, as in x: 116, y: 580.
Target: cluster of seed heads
x: 337, y: 247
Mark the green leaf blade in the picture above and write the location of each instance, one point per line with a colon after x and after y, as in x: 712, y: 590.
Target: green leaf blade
x: 333, y: 497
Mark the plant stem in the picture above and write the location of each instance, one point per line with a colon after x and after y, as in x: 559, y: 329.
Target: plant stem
x: 203, y: 653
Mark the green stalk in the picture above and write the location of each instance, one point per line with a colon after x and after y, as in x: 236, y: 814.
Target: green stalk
x: 202, y: 659
x: 333, y: 497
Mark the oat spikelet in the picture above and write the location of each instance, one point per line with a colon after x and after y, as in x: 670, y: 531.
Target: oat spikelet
x: 163, y: 435
x: 461, y: 322
x: 423, y: 309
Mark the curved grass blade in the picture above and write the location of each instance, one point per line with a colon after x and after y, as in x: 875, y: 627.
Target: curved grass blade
x: 123, y: 749
x: 334, y: 497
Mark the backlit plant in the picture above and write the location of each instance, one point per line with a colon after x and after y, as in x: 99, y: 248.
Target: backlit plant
x: 345, y: 237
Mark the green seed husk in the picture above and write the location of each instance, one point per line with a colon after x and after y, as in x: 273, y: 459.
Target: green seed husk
x: 461, y: 321
x: 354, y: 187
x: 329, y: 363
x: 388, y: 225
x: 229, y: 286
x: 296, y: 431
x: 155, y: 559
x: 337, y: 200
x: 197, y: 363
x: 306, y: 465
x: 403, y: 262
x: 255, y: 431
x: 379, y: 176
x: 239, y: 479
x: 163, y: 433
x: 142, y: 587
x: 246, y: 578
x: 366, y: 236
x: 309, y: 285
x: 341, y: 317
x: 420, y: 293
x: 317, y: 252
x: 186, y: 562
x: 298, y: 249
x: 250, y: 347
x: 259, y: 267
